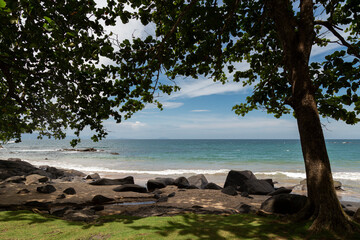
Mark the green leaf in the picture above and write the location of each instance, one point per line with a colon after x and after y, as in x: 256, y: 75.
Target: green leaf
x: 2, y: 4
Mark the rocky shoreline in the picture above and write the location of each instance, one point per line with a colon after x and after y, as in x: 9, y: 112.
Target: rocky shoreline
x: 73, y: 195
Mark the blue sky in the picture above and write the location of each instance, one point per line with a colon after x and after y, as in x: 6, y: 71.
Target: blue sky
x: 202, y: 109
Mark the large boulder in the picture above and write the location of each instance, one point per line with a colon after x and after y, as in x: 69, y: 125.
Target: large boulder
x: 281, y: 190
x: 199, y: 181
x: 212, y: 186
x: 237, y: 178
x: 284, y: 203
x: 182, y: 182
x: 120, y: 181
x: 166, y: 181
x: 257, y: 187
x: 130, y: 188
x: 15, y: 168
x: 153, y: 184
x: 100, y: 199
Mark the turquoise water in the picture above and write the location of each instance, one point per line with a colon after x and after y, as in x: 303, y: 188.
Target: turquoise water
x: 278, y: 159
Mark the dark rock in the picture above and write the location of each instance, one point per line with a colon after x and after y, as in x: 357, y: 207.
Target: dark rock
x: 120, y: 181
x: 270, y: 181
x: 78, y: 207
x: 244, y: 194
x: 284, y: 203
x: 81, y: 150
x: 35, y: 178
x: 157, y: 191
x: 98, y: 208
x: 130, y: 188
x: 199, y: 181
x: 15, y: 179
x: 37, y: 204
x: 192, y: 187
x: 280, y: 191
x: 237, y: 178
x: 100, y: 199
x: 349, y: 212
x: 229, y: 190
x: 23, y: 191
x: 257, y: 187
x: 61, y: 196
x: 163, y: 199
x: 153, y: 184
x: 212, y: 186
x: 166, y: 181
x: 157, y: 196
x: 70, y: 191
x: 182, y: 182
x: 46, y: 189
x: 94, y: 176
x: 52, y: 171
x: 171, y: 195
x: 14, y: 159
x: 59, y: 212
x: 114, y: 153
x: 356, y: 216
x: 245, y: 208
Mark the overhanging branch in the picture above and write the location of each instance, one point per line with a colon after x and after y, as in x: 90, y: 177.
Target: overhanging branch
x: 332, y: 29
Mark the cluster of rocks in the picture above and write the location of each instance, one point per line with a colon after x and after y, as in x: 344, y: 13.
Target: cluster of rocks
x: 14, y: 167
x: 242, y: 183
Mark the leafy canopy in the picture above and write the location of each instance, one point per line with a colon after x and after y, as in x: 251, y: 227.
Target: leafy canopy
x: 51, y: 78
x: 209, y: 38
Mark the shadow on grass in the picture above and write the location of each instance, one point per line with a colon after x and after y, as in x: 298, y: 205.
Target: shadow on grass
x: 189, y: 226
x: 230, y: 227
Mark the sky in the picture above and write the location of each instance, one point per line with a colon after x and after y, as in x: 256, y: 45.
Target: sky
x: 202, y: 109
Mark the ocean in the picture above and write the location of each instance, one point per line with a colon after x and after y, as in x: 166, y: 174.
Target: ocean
x: 280, y: 160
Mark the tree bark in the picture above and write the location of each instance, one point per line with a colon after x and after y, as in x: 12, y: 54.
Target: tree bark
x: 327, y: 211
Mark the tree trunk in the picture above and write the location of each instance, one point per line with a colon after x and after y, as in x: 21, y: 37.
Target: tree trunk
x: 327, y: 211
x: 296, y: 36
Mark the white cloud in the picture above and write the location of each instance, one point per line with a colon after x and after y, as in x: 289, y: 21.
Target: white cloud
x: 200, y: 110
x: 165, y: 104
x: 204, y: 87
x: 133, y: 125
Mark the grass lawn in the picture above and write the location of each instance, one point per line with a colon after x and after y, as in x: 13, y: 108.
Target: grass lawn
x: 28, y: 225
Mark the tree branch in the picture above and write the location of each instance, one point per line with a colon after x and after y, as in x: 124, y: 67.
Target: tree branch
x: 332, y: 29
x: 182, y: 14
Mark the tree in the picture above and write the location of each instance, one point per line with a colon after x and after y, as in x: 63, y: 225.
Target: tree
x: 207, y: 38
x: 51, y: 77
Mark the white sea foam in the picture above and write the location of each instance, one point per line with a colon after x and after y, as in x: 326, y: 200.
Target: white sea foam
x: 354, y: 176
x: 129, y: 171
x: 36, y: 150
x: 287, y: 174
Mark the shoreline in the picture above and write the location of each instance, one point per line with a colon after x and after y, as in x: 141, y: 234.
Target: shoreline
x: 22, y: 191
x: 219, y: 179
